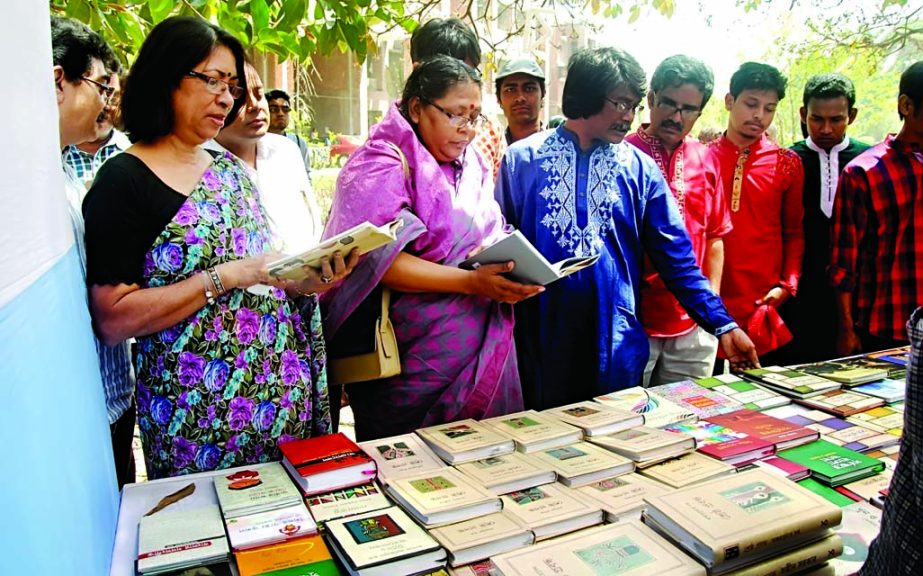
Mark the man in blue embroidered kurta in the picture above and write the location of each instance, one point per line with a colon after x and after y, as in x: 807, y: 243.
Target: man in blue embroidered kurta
x: 579, y: 190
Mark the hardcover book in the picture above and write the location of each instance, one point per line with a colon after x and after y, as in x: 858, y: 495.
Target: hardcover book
x: 326, y: 463
x: 628, y: 549
x: 347, y: 502
x: 532, y: 431
x: 384, y: 543
x: 687, y: 470
x: 644, y: 444
x: 551, y: 510
x: 465, y: 440
x: 734, y: 521
x: 582, y: 463
x: 842, y: 403
x: 507, y: 472
x: 623, y: 497
x: 283, y: 556
x: 657, y: 411
x: 868, y: 488
x: 179, y: 539
x: 790, y: 382
x: 596, y: 419
x: 797, y: 561
x: 443, y: 497
x: 531, y: 266
x: 736, y: 448
x: 480, y: 538
x: 270, y: 527
x: 890, y: 389
x: 701, y: 401
x: 885, y: 419
x: 783, y: 467
x: 474, y: 569
x: 749, y: 394
x: 250, y: 490
x: 831, y: 464
x: 401, y: 456
x: 765, y: 427
x: 838, y: 431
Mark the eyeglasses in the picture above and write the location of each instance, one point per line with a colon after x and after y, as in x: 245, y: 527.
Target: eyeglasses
x: 624, y: 107
x: 105, y: 91
x: 457, y: 121
x: 671, y: 108
x: 218, y: 86
x: 273, y: 108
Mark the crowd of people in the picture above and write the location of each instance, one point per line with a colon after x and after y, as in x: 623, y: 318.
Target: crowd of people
x: 182, y: 191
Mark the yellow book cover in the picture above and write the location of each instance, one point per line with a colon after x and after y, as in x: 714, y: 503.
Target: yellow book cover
x: 283, y: 555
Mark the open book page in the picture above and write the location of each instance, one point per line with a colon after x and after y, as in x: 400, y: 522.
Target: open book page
x: 531, y: 266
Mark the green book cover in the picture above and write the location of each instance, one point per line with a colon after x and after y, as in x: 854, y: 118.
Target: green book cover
x: 322, y: 568
x: 831, y: 464
x: 827, y: 492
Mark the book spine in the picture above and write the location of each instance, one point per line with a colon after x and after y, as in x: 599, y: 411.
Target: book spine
x: 754, y: 540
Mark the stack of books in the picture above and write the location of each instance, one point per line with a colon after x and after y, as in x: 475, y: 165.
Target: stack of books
x: 842, y: 403
x: 347, y: 502
x: 401, y: 456
x: 687, y: 470
x: 762, y: 426
x: 831, y: 464
x: 583, y: 463
x: 646, y: 446
x: 465, y: 440
x: 326, y: 463
x: 551, y: 510
x: 443, y: 497
x: 596, y: 419
x: 793, y: 383
x: 735, y: 448
x: 836, y: 430
x: 532, y: 431
x: 476, y: 540
x: 508, y: 472
x: 622, y: 497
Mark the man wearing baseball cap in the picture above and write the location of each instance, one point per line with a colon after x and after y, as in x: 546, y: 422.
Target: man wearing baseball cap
x: 520, y: 85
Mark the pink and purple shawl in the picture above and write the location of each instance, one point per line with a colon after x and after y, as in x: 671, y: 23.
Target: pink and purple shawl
x: 458, y: 358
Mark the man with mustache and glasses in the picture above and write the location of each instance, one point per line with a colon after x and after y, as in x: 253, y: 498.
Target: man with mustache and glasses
x: 579, y: 190
x: 762, y: 183
x: 680, y: 88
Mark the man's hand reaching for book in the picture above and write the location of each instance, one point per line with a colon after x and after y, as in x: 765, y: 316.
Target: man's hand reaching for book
x: 739, y: 349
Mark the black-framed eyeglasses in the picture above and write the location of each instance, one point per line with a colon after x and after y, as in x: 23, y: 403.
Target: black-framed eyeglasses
x: 456, y: 120
x: 625, y: 107
x: 671, y: 108
x: 217, y: 86
x: 273, y: 108
x: 105, y: 91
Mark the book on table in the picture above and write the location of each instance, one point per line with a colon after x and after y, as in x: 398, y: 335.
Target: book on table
x: 888, y: 456
x: 551, y: 510
x: 868, y: 488
x: 797, y: 561
x: 286, y: 556
x: 885, y: 419
x: 400, y: 456
x: 899, y: 356
x: 384, y: 543
x: 507, y: 472
x: 622, y: 497
x: 532, y: 431
x: 478, y: 539
x: 250, y: 490
x: 849, y: 371
x: 326, y: 463
x: 581, y: 463
x: 596, y: 419
x: 347, y: 502
x: 761, y: 425
x: 782, y: 467
x: 701, y: 401
x: 531, y: 267
x: 842, y: 403
x: 686, y: 470
x: 269, y: 527
x: 365, y: 237
x: 644, y: 444
x: 831, y: 464
x: 890, y: 389
x: 836, y: 430
x: 657, y: 411
x: 627, y: 548
x: 172, y: 540
x: 750, y: 394
x: 731, y: 522
x: 465, y: 440
x: 790, y: 382
x: 442, y: 497
x: 832, y: 495
x: 731, y: 446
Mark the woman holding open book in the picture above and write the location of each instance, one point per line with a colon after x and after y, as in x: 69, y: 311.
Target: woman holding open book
x: 174, y: 236
x: 454, y: 327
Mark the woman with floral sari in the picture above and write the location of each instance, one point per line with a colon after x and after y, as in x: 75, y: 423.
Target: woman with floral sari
x: 454, y: 327
x: 175, y: 236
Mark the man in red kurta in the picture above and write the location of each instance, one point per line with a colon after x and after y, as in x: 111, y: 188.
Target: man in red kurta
x: 763, y: 187
x: 680, y: 88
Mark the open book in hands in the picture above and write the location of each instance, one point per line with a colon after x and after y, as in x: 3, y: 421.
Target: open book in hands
x: 365, y: 237
x: 531, y: 267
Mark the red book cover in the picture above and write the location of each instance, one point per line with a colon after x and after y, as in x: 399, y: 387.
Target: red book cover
x: 780, y: 432
x: 313, y: 456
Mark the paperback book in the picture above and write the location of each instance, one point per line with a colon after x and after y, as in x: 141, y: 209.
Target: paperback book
x: 831, y: 464
x: 531, y: 266
x: 507, y: 472
x: 783, y: 467
x: 646, y: 445
x: 622, y: 497
x: 284, y: 557
x: 790, y: 382
x: 688, y: 470
x: 657, y: 411
x: 400, y: 456
x: 890, y: 389
x: 326, y: 463
x: 551, y: 510
x: 842, y: 403
x: 269, y: 527
x: 478, y: 539
x: 582, y: 463
x: 251, y: 490
x: 886, y: 419
x: 837, y: 430
x: 465, y: 440
x: 347, y: 502
x: 701, y: 401
x: 762, y: 426
x: 532, y: 431
x: 596, y: 419
x: 443, y: 497
x: 749, y: 394
x: 735, y: 448
x: 180, y: 539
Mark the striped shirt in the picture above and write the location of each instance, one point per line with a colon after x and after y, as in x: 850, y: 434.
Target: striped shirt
x: 877, y: 249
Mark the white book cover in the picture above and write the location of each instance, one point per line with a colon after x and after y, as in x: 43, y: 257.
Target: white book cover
x: 401, y: 456
x: 180, y: 538
x: 347, y: 502
x: 595, y: 418
x: 623, y: 496
x: 533, y: 431
x: 269, y: 527
x: 687, y: 470
x: 249, y: 490
x: 465, y: 440
x: 644, y: 443
x: 442, y: 497
x: 581, y: 463
x: 628, y: 549
x: 384, y: 543
x: 507, y: 472
x: 531, y: 265
x: 551, y: 510
x: 657, y: 411
x: 482, y: 537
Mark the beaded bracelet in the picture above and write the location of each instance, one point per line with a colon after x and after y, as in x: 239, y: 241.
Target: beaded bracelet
x: 216, y: 279
x: 209, y: 295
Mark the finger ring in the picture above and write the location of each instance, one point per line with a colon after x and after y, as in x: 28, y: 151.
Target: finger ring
x: 326, y: 279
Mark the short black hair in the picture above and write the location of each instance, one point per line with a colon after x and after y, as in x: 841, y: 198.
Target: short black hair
x: 758, y: 76
x: 74, y: 46
x: 912, y: 86
x: 681, y: 69
x: 434, y: 77
x: 447, y: 36
x: 273, y: 94
x: 172, y: 49
x: 831, y: 85
x: 498, y: 83
x: 592, y: 74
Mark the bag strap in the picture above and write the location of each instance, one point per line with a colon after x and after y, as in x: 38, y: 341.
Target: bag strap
x: 385, y: 291
x: 404, y: 164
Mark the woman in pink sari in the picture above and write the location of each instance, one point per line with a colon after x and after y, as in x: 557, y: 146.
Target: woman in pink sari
x: 454, y: 327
